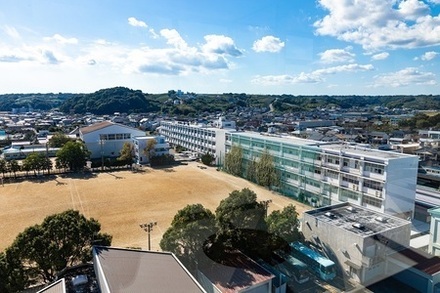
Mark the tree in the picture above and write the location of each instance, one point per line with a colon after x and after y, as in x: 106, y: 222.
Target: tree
x: 207, y: 159
x: 189, y: 231
x: 14, y: 167
x: 34, y: 162
x: 265, y: 171
x: 3, y: 167
x: 237, y: 213
x: 61, y: 240
x: 233, y: 161
x: 251, y: 172
x: 284, y: 224
x: 58, y: 140
x: 72, y: 155
x: 126, y: 154
x: 149, y: 149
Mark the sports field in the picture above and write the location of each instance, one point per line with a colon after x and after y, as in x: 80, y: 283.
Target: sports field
x: 122, y: 200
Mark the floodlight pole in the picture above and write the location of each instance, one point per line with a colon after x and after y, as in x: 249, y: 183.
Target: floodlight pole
x: 148, y: 228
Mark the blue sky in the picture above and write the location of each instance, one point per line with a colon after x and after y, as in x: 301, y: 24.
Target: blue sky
x: 323, y: 47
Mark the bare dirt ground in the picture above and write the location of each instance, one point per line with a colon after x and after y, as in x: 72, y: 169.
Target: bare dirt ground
x: 122, y: 200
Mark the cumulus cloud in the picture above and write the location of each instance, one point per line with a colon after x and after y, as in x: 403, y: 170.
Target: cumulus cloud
x: 337, y: 56
x: 316, y: 76
x: 173, y: 38
x: 429, y: 55
x: 137, y: 23
x: 380, y: 56
x: 405, y: 77
x: 268, y: 44
x: 220, y: 44
x: 380, y: 24
x: 62, y: 40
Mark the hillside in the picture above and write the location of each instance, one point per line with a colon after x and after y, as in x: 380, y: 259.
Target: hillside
x: 108, y: 101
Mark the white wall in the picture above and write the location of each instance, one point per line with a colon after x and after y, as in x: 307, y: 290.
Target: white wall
x: 400, y: 186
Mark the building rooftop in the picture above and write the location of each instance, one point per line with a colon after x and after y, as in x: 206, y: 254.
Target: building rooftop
x: 141, y: 271
x: 240, y: 273
x: 96, y: 126
x: 56, y: 287
x: 419, y: 259
x: 356, y: 219
x: 335, y: 147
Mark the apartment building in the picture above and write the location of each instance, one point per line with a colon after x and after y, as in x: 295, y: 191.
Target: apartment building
x: 199, y: 138
x: 322, y: 173
x: 318, y: 173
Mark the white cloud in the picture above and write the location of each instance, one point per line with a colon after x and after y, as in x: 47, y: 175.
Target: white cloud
x: 11, y: 32
x: 137, y: 23
x: 405, y: 77
x: 337, y: 56
x: 268, y: 44
x: 428, y: 56
x: 380, y: 56
x: 173, y: 38
x: 62, y: 40
x: 224, y: 80
x: 413, y: 9
x: 312, y: 77
x: 220, y: 44
x: 379, y: 24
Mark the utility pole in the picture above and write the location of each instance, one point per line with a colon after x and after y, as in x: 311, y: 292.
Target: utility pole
x: 148, y: 228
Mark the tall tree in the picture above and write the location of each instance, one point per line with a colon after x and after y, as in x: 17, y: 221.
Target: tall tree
x: 285, y: 224
x: 149, y: 149
x: 265, y: 171
x: 233, y: 161
x: 189, y: 231
x: 73, y: 154
x: 238, y: 213
x: 14, y: 167
x: 45, y: 249
x: 126, y: 154
x: 58, y: 140
x: 3, y: 167
x: 34, y: 162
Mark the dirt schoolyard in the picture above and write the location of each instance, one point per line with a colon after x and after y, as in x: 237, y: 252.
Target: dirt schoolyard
x: 123, y: 200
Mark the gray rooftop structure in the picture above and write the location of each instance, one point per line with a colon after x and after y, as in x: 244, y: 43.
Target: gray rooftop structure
x: 357, y: 219
x: 129, y: 270
x: 56, y: 287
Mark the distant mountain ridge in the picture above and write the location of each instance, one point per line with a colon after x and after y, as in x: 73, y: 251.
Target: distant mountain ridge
x: 125, y: 100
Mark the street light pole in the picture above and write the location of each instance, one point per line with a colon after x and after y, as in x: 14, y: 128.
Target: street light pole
x: 265, y: 204
x: 148, y: 228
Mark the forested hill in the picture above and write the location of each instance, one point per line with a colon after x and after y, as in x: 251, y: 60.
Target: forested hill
x: 124, y: 100
x: 109, y: 101
x: 32, y: 101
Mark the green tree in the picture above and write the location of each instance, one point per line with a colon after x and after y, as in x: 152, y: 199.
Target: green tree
x: 284, y: 224
x: 251, y: 172
x: 126, y: 154
x: 61, y: 240
x: 233, y: 161
x: 238, y: 212
x: 72, y: 155
x: 265, y: 172
x: 58, y: 140
x: 34, y: 162
x: 3, y: 167
x: 189, y: 231
x: 14, y: 167
x: 149, y: 149
x: 207, y: 159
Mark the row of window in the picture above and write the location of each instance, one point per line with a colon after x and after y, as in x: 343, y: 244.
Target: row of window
x: 115, y: 136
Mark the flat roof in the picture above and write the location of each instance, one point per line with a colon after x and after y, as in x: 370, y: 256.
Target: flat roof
x: 419, y: 260
x: 356, y: 219
x: 340, y: 147
x: 129, y: 270
x: 56, y: 287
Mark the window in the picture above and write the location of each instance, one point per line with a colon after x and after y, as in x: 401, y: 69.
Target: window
x: 372, y: 201
x: 374, y: 168
x: 373, y: 184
